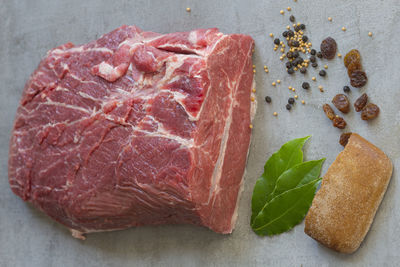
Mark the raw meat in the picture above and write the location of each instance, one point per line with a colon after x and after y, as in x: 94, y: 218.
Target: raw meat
x: 136, y: 128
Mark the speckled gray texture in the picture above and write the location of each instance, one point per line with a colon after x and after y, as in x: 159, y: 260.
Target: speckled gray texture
x: 29, y: 28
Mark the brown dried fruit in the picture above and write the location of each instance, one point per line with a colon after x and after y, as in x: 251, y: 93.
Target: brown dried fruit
x: 361, y: 102
x: 328, y: 111
x: 369, y: 112
x: 339, y: 122
x: 328, y: 48
x: 358, y: 78
x: 341, y: 102
x: 353, y: 67
x: 352, y: 56
x: 344, y: 138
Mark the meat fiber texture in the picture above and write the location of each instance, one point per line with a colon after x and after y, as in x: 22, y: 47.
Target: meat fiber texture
x: 136, y: 128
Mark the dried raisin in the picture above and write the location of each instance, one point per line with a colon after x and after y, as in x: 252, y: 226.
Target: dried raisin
x: 339, y: 122
x: 328, y: 111
x: 353, y: 66
x: 342, y: 103
x: 352, y: 56
x: 369, y: 112
x: 358, y: 78
x: 361, y: 102
x: 328, y: 48
x: 344, y: 138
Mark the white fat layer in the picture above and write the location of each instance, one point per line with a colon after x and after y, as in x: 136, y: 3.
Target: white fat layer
x: 105, y: 68
x: 241, y: 189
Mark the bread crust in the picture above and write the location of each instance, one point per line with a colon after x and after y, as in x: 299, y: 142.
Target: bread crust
x: 351, y: 191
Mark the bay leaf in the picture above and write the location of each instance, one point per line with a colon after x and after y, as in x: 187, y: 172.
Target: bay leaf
x: 296, y: 176
x: 288, y: 155
x: 286, y: 210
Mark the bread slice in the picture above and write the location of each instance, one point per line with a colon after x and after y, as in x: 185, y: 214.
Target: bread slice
x: 351, y: 191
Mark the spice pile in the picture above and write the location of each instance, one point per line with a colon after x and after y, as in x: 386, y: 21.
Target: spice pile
x: 297, y: 54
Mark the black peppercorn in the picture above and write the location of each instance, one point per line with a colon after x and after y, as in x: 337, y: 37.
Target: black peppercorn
x: 292, y: 18
x: 290, y: 71
x: 285, y: 34
x: 288, y: 107
x: 295, y: 54
x: 314, y: 65
x: 290, y: 33
x: 304, y: 38
x: 268, y: 99
x: 297, y: 28
x: 313, y: 52
x: 277, y: 41
x: 291, y: 100
x: 295, y: 43
x: 322, y: 73
x: 302, y: 26
x: 305, y: 85
x: 289, y: 54
x: 319, y: 54
x: 303, y: 70
x: 313, y: 59
x: 346, y: 89
x: 288, y: 64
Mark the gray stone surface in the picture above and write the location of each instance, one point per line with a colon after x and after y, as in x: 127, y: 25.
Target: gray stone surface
x: 29, y: 28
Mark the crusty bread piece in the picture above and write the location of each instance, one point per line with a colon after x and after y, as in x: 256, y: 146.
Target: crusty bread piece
x: 351, y: 191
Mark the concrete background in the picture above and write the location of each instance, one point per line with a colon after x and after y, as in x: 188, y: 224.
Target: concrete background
x: 29, y: 28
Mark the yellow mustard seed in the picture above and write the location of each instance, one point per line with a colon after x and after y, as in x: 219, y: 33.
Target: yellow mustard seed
x: 252, y: 99
x: 278, y: 81
x: 303, y: 102
x: 273, y: 83
x: 289, y: 8
x: 271, y: 35
x: 344, y: 29
x: 296, y: 96
x: 295, y: 68
x: 294, y: 90
x: 370, y: 34
x: 282, y: 49
x: 265, y: 67
x: 254, y: 66
x: 282, y: 12
x: 275, y: 48
x: 288, y: 27
x: 253, y: 90
x: 329, y: 18
x: 266, y: 70
x: 251, y: 126
x: 313, y: 78
x: 188, y: 9
x: 275, y: 113
x: 325, y: 66
x: 254, y: 71
x: 339, y: 55
x: 290, y: 88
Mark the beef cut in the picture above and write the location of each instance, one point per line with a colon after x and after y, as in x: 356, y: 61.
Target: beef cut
x: 136, y: 128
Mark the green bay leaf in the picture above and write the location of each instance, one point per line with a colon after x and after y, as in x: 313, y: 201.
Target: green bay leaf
x: 288, y: 155
x: 286, y: 210
x: 296, y: 176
